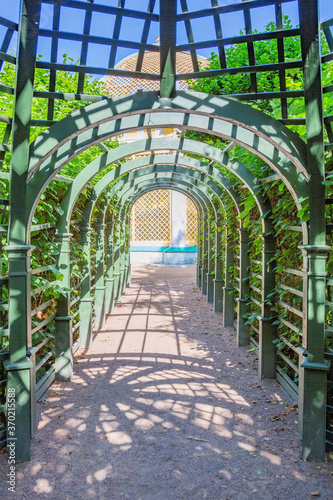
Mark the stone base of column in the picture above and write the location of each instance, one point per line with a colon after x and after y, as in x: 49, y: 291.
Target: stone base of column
x: 19, y: 393
x: 109, y: 295
x: 243, y: 329
x: 123, y: 278
x: 100, y: 307
x: 228, y: 306
x: 204, y: 281
x: 117, y: 287
x: 86, y: 323
x: 63, y: 348
x: 218, y: 295
x: 267, y: 350
x: 198, y: 275
x: 312, y: 408
x: 210, y: 288
x: 128, y: 275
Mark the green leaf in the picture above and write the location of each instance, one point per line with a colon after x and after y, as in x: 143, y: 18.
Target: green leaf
x: 55, y: 271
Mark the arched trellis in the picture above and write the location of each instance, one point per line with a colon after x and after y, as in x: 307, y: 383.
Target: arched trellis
x: 85, y: 229
x: 190, y: 145
x: 219, y: 116
x: 162, y: 170
x: 195, y: 188
x: 140, y: 174
x: 194, y: 164
x: 88, y: 173
x: 198, y: 198
x: 237, y: 168
x: 266, y: 348
x: 195, y: 197
x: 313, y: 369
x: 84, y: 177
x: 100, y: 186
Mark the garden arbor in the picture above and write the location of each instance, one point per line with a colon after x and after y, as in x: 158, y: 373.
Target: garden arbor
x: 266, y: 274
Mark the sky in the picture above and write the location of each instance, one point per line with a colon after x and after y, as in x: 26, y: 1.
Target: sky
x: 102, y: 25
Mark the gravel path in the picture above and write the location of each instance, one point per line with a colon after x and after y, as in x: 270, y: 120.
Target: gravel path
x: 166, y: 407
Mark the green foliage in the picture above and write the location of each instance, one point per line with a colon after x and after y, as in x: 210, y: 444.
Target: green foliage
x: 285, y: 216
x: 266, y: 52
x: 48, y: 285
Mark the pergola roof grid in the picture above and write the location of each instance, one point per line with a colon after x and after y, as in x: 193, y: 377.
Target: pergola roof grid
x: 147, y: 12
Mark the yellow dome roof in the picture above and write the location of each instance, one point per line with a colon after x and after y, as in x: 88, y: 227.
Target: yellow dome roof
x: 119, y: 85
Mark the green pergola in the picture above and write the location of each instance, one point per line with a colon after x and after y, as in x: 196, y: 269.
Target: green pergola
x: 211, y: 175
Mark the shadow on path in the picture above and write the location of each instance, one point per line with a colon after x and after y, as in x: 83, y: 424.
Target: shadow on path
x: 165, y: 406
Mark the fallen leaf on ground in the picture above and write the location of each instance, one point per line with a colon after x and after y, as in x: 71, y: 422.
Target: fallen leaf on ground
x: 216, y: 453
x: 193, y: 438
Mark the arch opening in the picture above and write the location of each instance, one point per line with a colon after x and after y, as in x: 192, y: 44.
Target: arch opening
x: 265, y: 271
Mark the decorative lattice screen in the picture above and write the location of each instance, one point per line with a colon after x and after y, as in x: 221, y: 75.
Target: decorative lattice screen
x: 191, y: 222
x: 150, y: 218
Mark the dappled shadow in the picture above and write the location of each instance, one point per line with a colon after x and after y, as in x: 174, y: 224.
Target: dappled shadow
x: 163, y: 407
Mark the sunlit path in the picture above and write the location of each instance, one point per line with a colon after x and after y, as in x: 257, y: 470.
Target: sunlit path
x: 164, y: 406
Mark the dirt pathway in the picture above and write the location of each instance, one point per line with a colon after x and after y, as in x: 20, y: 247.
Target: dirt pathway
x: 165, y: 407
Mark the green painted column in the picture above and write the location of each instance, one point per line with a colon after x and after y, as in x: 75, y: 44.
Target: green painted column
x: 228, y: 289
x: 218, y: 281
x: 199, y: 251
x: 100, y: 285
x: 313, y: 367
x: 128, y: 252
x: 19, y: 378
x: 121, y: 258
x: 210, y: 267
x: 204, y: 269
x: 63, y: 321
x: 116, y: 261
x: 109, y: 280
x: 86, y: 310
x: 123, y: 242
x: 267, y: 330
x: 128, y: 270
x: 168, y: 26
x: 243, y: 329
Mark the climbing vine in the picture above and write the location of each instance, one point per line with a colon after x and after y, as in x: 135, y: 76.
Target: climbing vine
x: 286, y: 218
